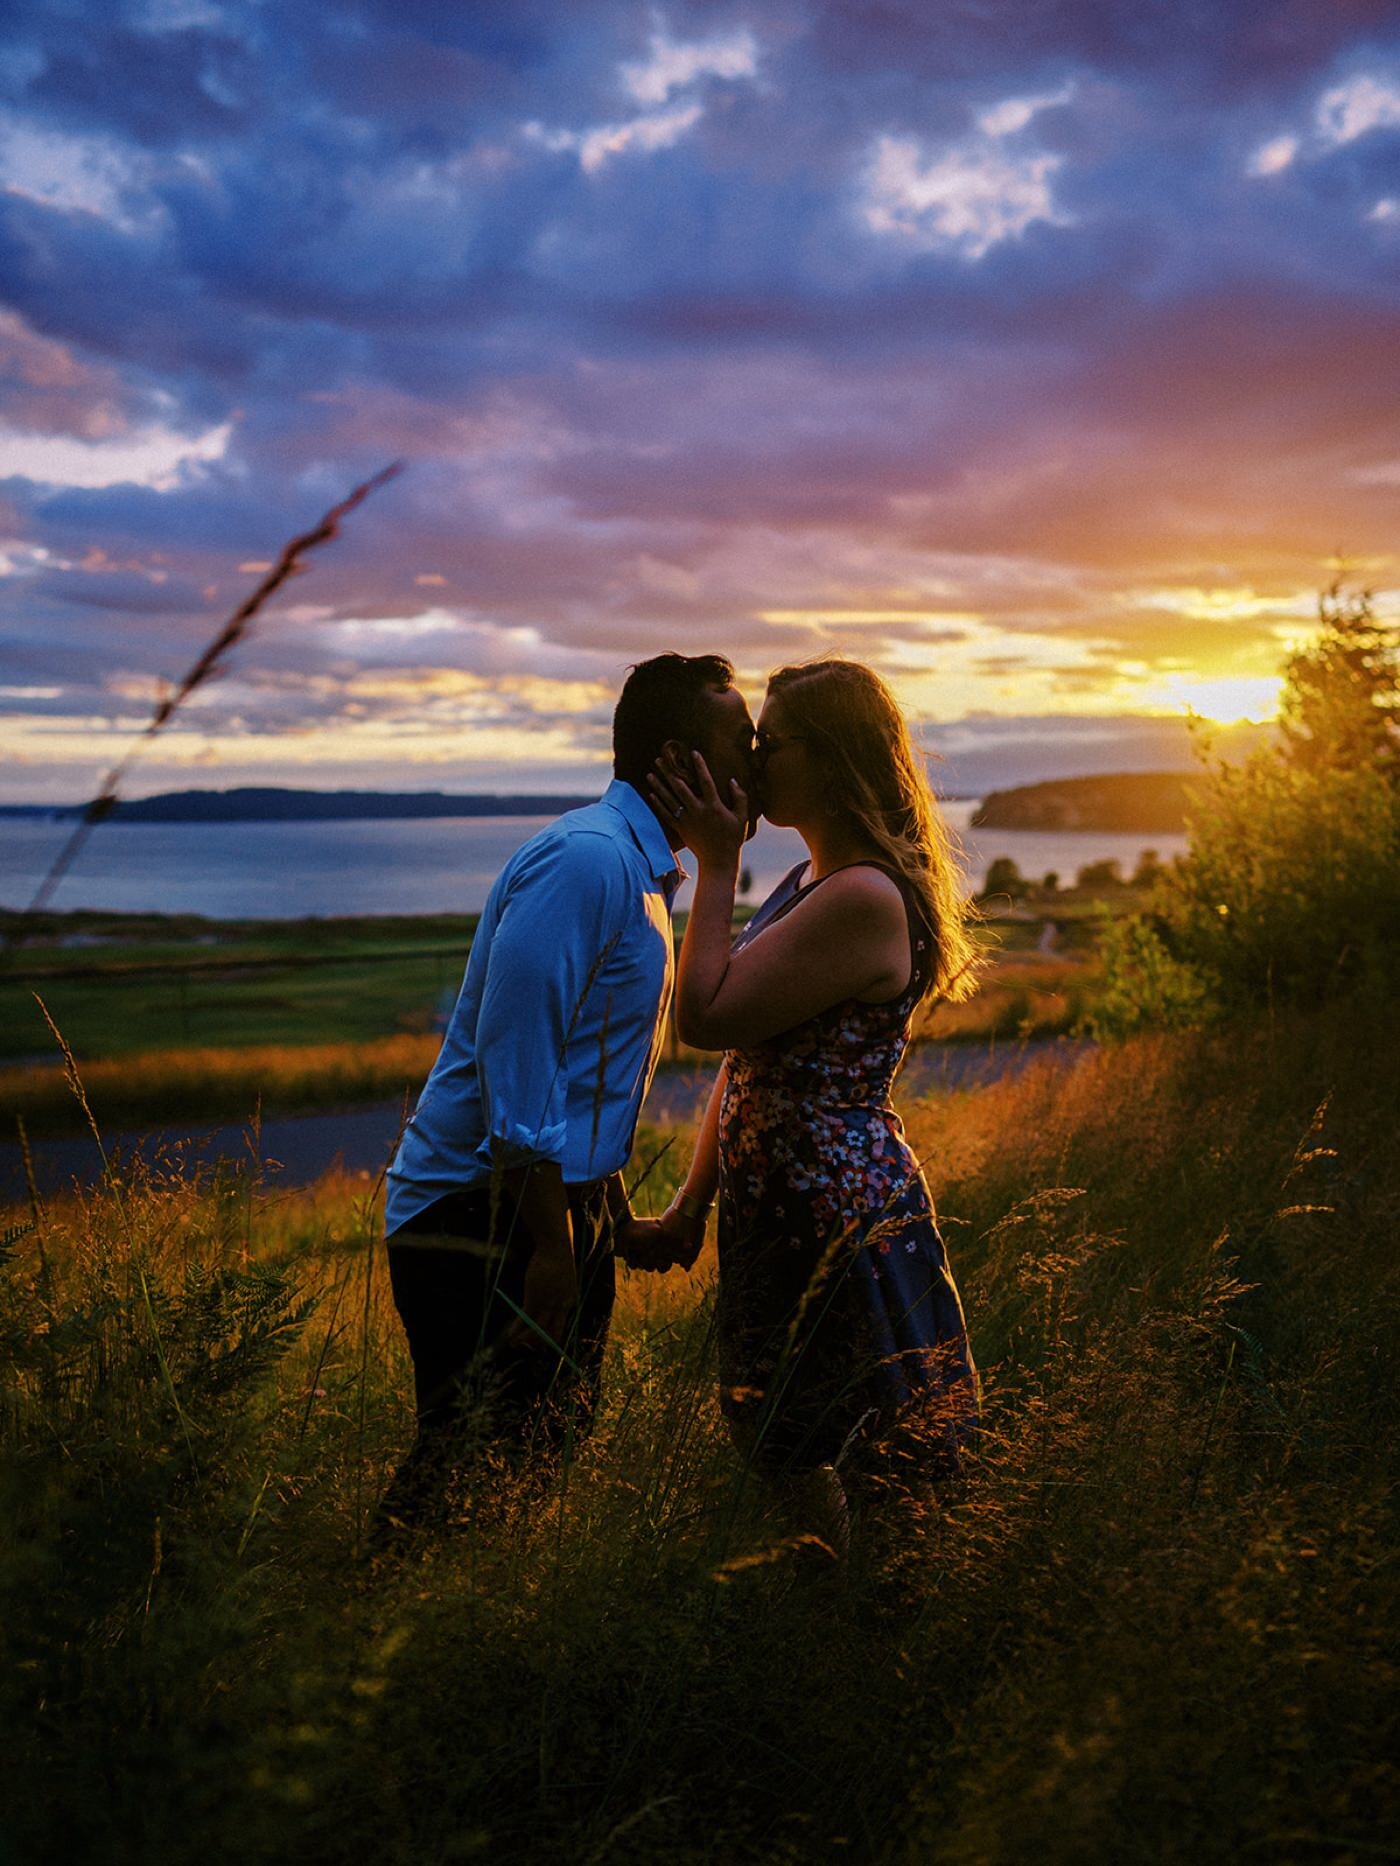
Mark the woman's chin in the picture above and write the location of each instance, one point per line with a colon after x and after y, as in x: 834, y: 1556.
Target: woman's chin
x: 774, y: 814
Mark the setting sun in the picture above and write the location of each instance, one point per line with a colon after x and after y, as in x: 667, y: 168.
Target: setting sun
x: 1229, y: 702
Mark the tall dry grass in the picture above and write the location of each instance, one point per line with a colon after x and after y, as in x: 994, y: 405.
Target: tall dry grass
x: 1153, y: 1622
x: 1018, y: 996
x: 194, y: 1084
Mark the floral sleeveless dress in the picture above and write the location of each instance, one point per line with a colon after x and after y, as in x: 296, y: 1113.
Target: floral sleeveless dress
x: 840, y: 1327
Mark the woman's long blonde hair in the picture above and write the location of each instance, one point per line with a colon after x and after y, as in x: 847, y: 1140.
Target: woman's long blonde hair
x: 876, y: 779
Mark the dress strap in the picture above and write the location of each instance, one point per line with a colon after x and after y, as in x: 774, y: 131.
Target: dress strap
x: 772, y: 909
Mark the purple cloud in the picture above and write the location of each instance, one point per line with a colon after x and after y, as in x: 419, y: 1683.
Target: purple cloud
x: 706, y: 325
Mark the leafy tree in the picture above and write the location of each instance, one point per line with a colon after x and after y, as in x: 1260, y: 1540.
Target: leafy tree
x: 1290, y: 888
x: 1004, y: 877
x: 1105, y: 874
x: 1341, y: 702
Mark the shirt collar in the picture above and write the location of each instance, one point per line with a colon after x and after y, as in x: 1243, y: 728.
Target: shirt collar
x: 648, y: 834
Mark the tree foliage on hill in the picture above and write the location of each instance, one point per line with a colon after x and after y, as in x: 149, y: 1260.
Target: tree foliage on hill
x: 1290, y: 888
x: 1004, y: 878
x: 1341, y: 699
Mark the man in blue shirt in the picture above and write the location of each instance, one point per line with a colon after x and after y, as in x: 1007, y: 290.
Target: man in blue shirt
x: 506, y: 1195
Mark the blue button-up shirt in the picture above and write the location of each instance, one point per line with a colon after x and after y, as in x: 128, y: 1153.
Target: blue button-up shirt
x: 558, y: 1024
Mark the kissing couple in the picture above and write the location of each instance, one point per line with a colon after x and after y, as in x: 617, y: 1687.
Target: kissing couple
x: 843, y: 1353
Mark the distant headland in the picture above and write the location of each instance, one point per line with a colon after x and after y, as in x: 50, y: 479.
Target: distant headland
x: 262, y: 804
x: 1133, y: 802
x: 1149, y: 802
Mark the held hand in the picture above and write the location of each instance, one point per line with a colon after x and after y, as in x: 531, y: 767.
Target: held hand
x: 639, y: 1244
x: 550, y: 1297
x: 713, y: 828
x: 687, y: 1235
x: 660, y: 1243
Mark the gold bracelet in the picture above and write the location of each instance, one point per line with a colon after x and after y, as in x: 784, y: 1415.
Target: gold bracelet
x: 691, y: 1208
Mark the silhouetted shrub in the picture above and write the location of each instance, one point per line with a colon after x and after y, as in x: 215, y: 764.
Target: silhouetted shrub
x: 1004, y: 877
x: 1289, y: 892
x: 1105, y: 874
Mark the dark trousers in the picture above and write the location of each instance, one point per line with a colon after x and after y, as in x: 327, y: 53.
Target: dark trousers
x: 458, y: 1275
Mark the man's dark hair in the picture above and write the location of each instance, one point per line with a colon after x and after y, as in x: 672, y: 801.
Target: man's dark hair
x: 662, y: 699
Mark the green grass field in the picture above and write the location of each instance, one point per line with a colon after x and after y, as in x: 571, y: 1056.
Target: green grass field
x: 173, y: 1018
x: 110, y: 981
x: 1155, y: 1621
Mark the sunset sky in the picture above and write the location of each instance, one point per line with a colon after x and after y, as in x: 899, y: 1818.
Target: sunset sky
x: 1044, y: 355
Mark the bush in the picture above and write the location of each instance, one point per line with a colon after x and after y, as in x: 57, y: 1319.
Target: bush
x: 1106, y: 874
x: 1289, y: 892
x: 1004, y: 877
x: 1144, y: 985
x: 1292, y: 887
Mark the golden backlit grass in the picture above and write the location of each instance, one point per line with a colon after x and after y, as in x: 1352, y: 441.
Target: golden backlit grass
x: 1153, y: 1622
x: 1020, y: 995
x: 170, y: 1085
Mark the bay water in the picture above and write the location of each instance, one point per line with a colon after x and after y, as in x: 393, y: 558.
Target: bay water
x: 260, y: 871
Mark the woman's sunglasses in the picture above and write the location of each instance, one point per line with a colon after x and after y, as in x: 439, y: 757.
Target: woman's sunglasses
x: 766, y: 743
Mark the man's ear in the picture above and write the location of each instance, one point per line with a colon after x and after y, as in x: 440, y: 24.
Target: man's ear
x: 683, y: 754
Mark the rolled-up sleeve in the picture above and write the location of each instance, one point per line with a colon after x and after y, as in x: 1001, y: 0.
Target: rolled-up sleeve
x: 563, y: 914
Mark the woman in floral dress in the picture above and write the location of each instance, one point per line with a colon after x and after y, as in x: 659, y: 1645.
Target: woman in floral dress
x: 840, y: 1329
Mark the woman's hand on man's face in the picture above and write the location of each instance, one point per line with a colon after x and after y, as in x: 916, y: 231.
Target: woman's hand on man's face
x: 713, y: 828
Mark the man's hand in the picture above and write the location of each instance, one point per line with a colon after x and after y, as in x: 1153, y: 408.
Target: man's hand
x: 551, y: 1295
x: 660, y: 1243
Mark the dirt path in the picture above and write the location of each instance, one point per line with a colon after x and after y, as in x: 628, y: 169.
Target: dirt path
x: 304, y: 1146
